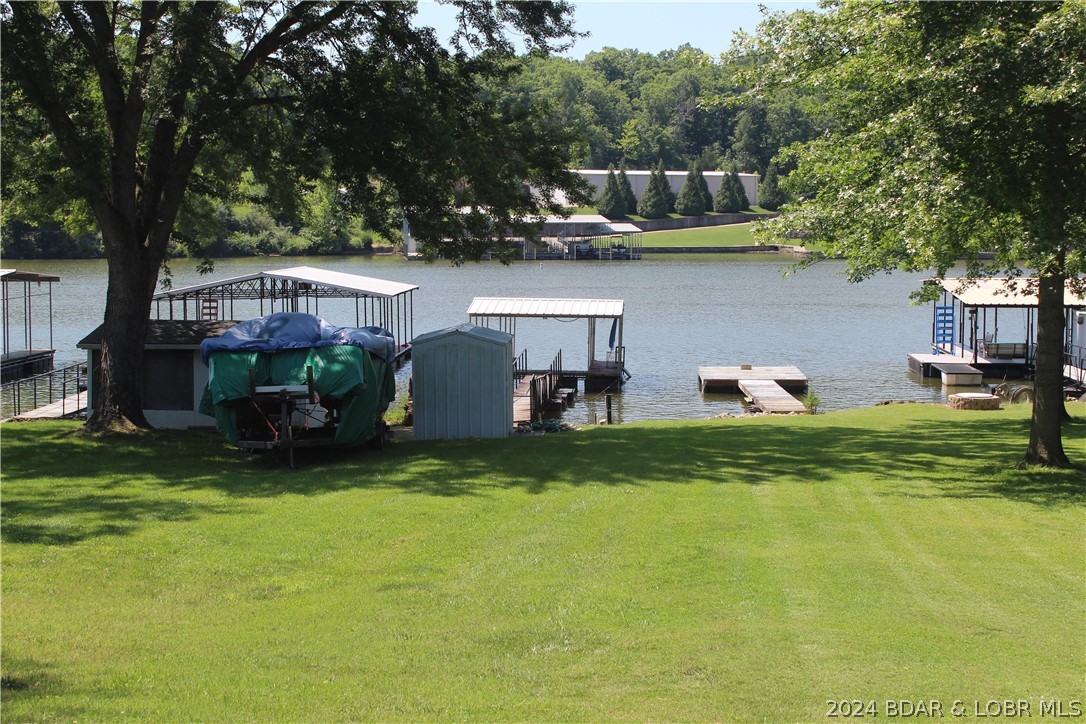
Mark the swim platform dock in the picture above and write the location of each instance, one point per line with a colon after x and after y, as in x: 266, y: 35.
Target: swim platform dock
x: 768, y: 388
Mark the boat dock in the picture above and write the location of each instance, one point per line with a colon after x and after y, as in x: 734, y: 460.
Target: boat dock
x: 957, y: 374
x: 538, y: 393
x: 726, y: 379
x: 768, y: 388
x: 956, y: 369
x: 770, y: 397
x: 73, y: 403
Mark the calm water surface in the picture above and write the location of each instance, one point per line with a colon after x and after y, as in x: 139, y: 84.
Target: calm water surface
x: 681, y: 312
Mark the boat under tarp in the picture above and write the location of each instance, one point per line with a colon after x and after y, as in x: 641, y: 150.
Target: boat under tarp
x: 338, y: 381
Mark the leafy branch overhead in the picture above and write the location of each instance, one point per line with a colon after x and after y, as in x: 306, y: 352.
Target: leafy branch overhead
x: 960, y: 132
x: 141, y: 107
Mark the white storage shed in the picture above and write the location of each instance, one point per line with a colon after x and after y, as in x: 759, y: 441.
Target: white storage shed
x: 462, y: 383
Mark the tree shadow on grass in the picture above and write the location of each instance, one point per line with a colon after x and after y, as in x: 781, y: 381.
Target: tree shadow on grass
x: 63, y: 518
x: 25, y: 677
x: 60, y: 488
x: 954, y: 457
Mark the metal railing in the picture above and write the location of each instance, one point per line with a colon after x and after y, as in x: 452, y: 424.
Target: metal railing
x: 541, y: 387
x: 520, y: 364
x: 23, y: 396
x: 1075, y: 358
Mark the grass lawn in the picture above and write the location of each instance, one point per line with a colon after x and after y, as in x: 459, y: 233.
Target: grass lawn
x: 709, y: 570
x: 753, y: 212
x: 727, y: 235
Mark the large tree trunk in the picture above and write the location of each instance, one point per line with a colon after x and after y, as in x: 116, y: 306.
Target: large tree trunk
x: 1045, y: 439
x: 118, y: 389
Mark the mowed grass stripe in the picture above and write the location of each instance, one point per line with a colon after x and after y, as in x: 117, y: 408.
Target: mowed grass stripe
x: 743, y: 569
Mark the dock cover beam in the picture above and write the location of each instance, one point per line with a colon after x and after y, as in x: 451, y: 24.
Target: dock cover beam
x: 506, y: 310
x: 378, y: 302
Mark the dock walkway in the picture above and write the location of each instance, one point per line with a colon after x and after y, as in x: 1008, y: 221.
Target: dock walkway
x: 522, y: 402
x: 770, y: 397
x: 547, y: 397
x: 65, y: 406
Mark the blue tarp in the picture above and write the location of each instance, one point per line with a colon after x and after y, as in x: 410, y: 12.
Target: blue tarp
x: 295, y: 330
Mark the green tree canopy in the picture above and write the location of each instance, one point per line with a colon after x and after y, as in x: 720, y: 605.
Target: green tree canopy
x: 960, y: 130
x: 136, y: 105
x: 703, y: 186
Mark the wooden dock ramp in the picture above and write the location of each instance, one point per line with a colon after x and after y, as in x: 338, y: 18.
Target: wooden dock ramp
x: 770, y: 397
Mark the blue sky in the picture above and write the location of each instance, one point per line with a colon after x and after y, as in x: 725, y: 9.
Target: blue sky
x: 646, y: 25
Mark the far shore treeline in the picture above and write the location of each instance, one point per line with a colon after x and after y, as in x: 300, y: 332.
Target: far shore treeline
x: 678, y: 107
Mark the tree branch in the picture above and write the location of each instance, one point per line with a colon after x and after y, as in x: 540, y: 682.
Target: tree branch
x: 283, y: 33
x: 99, y: 47
x: 161, y: 161
x: 26, y: 39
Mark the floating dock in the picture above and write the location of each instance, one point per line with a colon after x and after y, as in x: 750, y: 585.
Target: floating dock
x: 726, y: 379
x: 768, y: 388
x: 956, y: 374
x: 956, y: 369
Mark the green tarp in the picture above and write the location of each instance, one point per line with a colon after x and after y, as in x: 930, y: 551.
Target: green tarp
x: 361, y: 385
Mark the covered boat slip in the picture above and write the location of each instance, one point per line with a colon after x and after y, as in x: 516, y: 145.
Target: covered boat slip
x: 991, y: 325
x: 608, y: 372
x: 580, y: 236
x: 377, y: 302
x: 175, y: 374
x: 585, y: 236
x: 26, y: 354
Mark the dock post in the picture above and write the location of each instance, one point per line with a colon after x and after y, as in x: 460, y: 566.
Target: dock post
x: 608, y: 398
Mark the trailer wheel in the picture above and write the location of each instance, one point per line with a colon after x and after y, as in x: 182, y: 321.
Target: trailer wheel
x: 1022, y: 394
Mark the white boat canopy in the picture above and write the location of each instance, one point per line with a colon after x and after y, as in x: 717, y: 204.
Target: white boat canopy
x: 999, y: 292
x: 379, y: 302
x: 506, y: 310
x: 545, y: 308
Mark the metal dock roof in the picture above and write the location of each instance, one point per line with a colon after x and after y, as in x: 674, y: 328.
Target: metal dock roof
x: 333, y: 282
x: 545, y: 308
x: 999, y: 292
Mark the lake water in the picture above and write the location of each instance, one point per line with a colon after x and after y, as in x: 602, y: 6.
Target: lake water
x: 682, y: 311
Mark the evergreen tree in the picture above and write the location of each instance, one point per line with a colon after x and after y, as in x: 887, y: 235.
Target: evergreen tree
x: 770, y: 195
x: 703, y: 186
x: 690, y: 202
x: 665, y: 186
x: 654, y: 201
x: 611, y: 204
x: 740, y: 191
x: 727, y: 201
x: 627, y: 189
